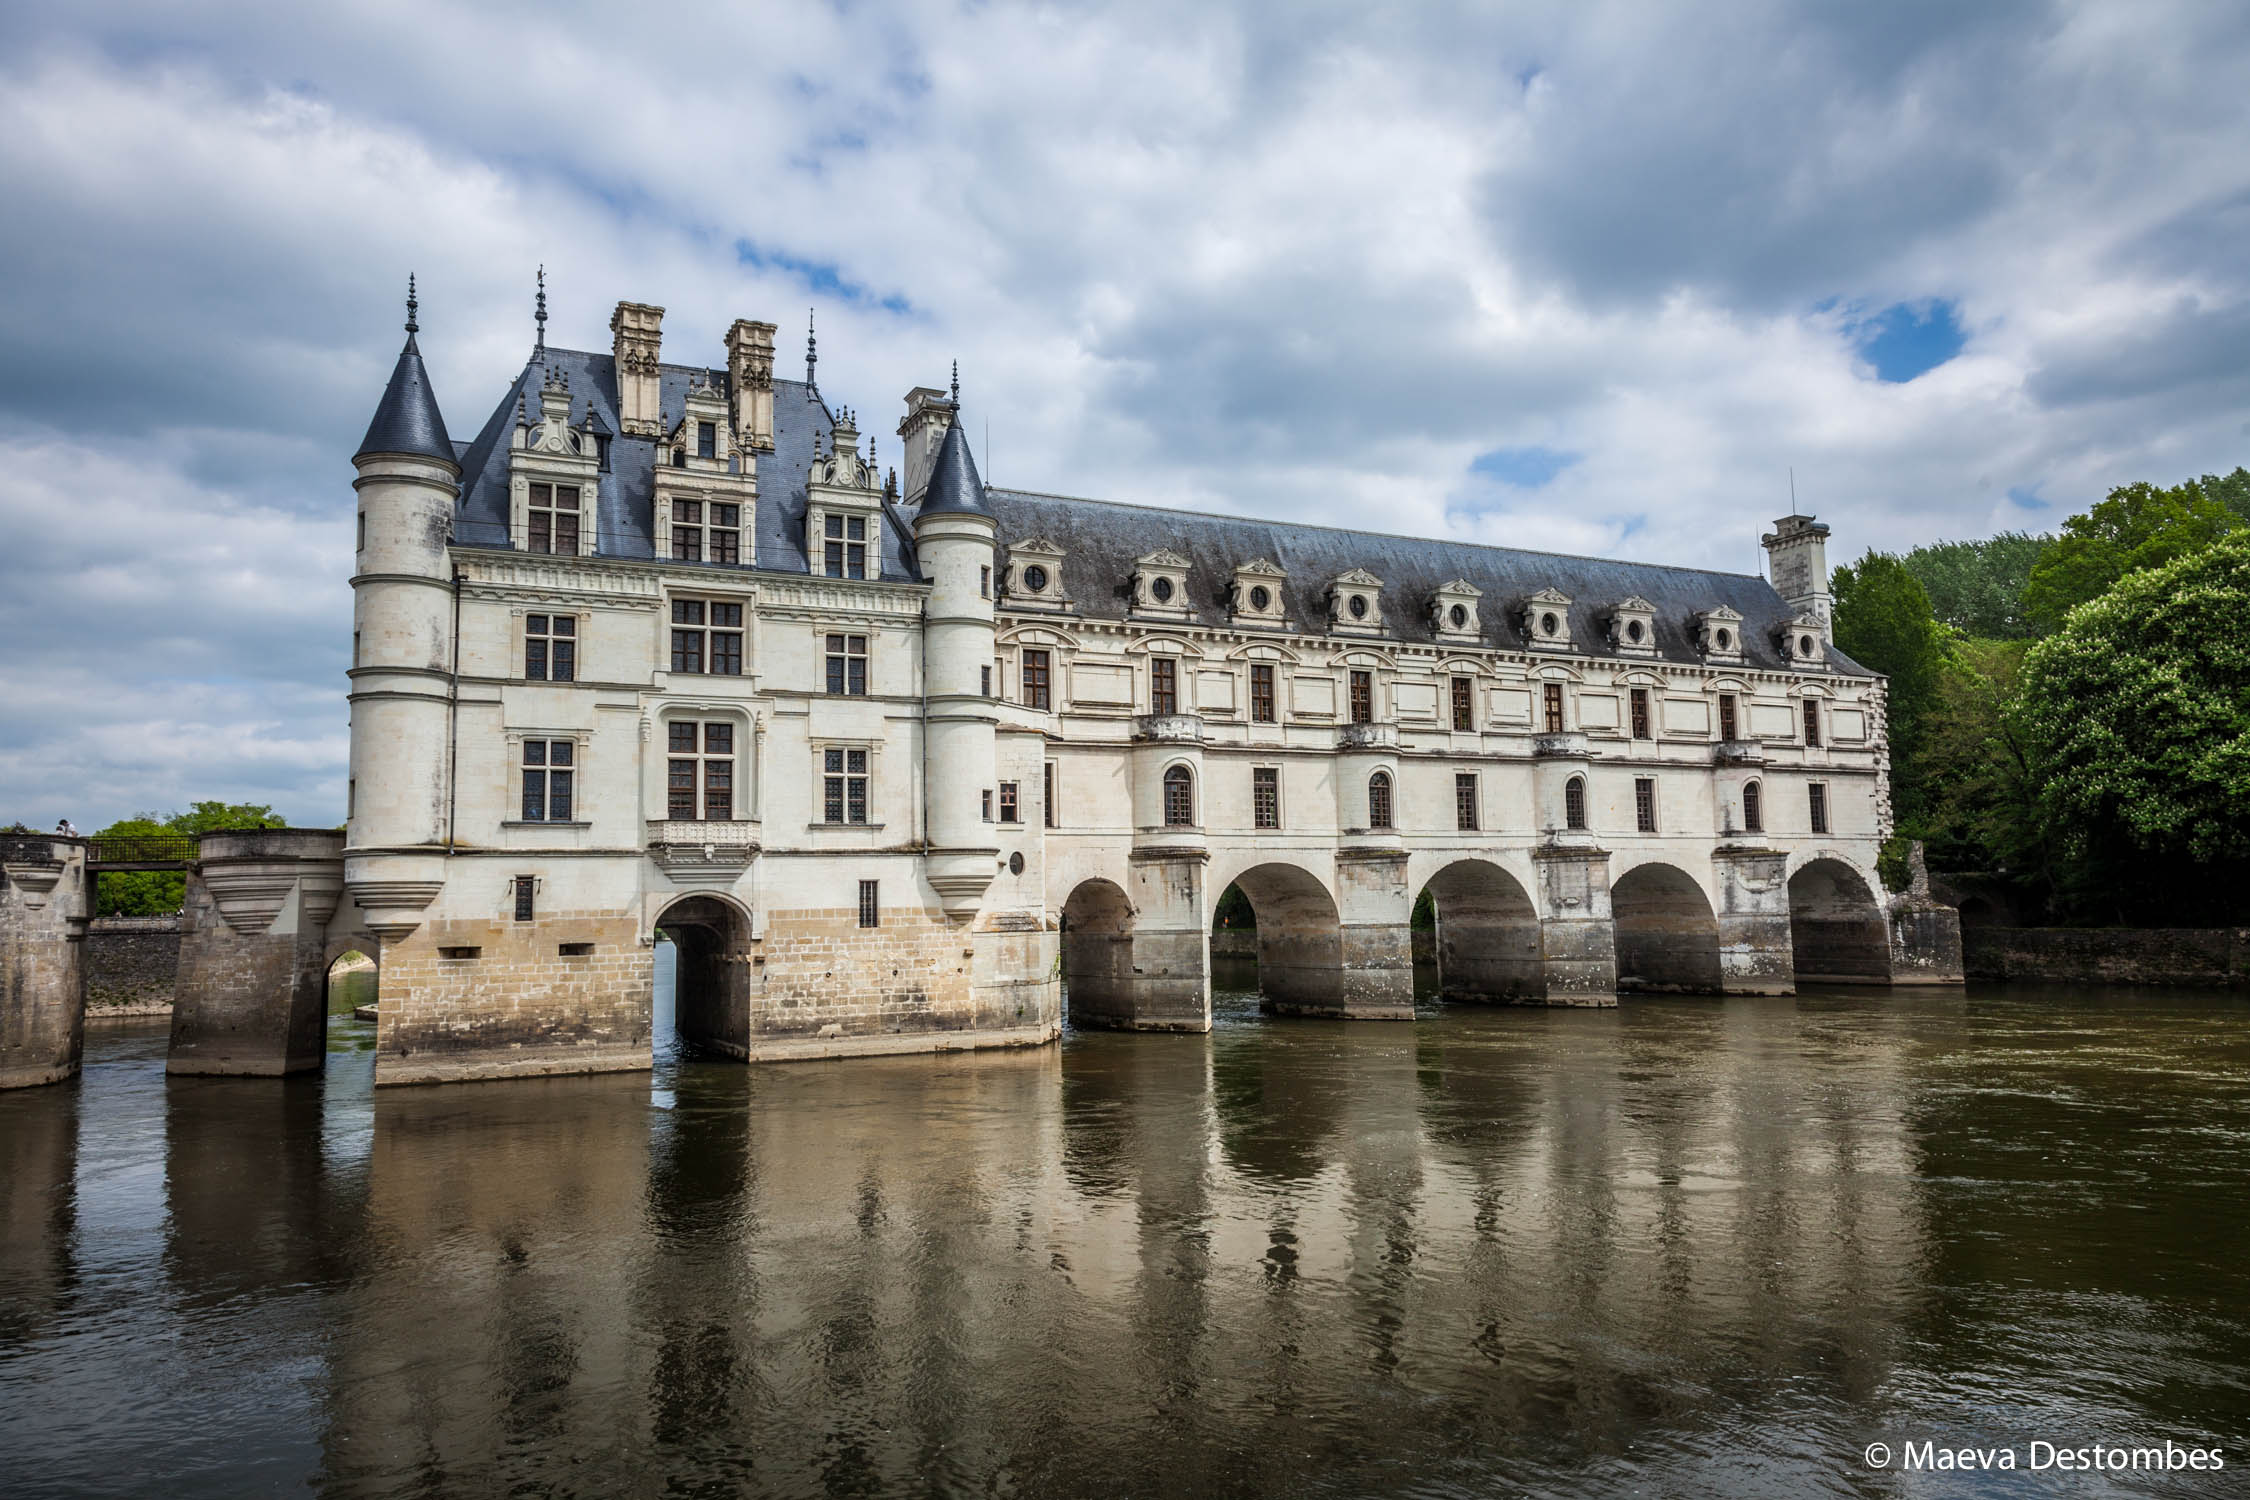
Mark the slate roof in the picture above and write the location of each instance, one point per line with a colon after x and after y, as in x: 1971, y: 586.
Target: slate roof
x: 954, y: 489
x: 1101, y: 539
x: 407, y: 419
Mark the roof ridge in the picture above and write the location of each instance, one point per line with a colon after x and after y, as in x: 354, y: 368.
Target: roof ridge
x: 1398, y: 536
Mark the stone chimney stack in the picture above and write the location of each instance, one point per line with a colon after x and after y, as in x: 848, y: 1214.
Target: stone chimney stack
x: 639, y: 337
x: 1798, y: 549
x: 750, y: 368
x: 928, y: 413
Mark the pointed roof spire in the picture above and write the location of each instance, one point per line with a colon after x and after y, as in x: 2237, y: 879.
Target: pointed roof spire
x: 407, y: 420
x: 541, y: 315
x: 812, y: 351
x: 954, y: 486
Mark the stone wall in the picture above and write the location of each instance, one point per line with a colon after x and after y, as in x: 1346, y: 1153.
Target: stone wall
x: 131, y: 962
x: 44, y: 896
x: 2188, y: 956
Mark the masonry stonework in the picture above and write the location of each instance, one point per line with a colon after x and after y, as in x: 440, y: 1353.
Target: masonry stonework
x: 45, y: 900
x: 132, y: 963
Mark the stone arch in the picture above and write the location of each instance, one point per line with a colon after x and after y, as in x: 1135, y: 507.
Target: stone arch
x: 340, y: 948
x: 1300, y: 939
x: 1667, y: 937
x: 1097, y: 954
x: 711, y: 973
x: 1488, y: 942
x: 1837, y: 926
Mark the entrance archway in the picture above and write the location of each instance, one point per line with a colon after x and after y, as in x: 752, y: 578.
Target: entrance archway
x: 1300, y: 940
x: 1837, y: 926
x: 710, y: 974
x: 1488, y: 945
x: 1097, y: 955
x: 1667, y: 939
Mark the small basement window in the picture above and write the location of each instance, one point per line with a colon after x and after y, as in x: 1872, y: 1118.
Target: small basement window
x: 576, y: 950
x: 460, y: 953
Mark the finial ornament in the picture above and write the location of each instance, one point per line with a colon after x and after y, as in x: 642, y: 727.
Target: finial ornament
x: 957, y: 382
x: 411, y: 304
x: 812, y: 351
x: 541, y: 315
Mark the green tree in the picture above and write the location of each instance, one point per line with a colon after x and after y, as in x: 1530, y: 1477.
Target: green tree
x: 2230, y: 490
x: 1883, y: 621
x: 1982, y: 803
x: 2137, y: 716
x: 154, y: 893
x: 1977, y: 587
x: 2139, y: 526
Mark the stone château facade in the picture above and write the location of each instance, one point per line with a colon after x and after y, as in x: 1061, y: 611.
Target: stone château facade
x: 891, y: 759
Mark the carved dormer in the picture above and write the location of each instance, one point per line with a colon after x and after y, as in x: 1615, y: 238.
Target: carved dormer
x: 844, y: 507
x: 1718, y: 634
x: 1632, y: 627
x: 1160, y: 585
x: 1453, y: 612
x: 553, y: 477
x: 702, y: 440
x: 1355, y: 603
x: 1803, y: 643
x: 1546, y: 621
x: 1033, y: 578
x: 1255, y: 597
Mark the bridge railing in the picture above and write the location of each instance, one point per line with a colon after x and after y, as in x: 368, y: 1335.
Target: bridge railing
x: 141, y: 849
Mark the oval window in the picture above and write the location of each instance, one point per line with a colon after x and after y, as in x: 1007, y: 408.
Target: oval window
x: 1548, y: 624
x: 1260, y: 598
x: 1161, y: 590
x: 1633, y: 631
x: 1804, y: 645
x: 1035, y: 579
x: 1459, y: 615
x: 1358, y: 606
x: 1015, y: 864
x: 1725, y: 638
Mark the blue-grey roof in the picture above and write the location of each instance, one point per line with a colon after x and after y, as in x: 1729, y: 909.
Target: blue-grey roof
x: 407, y: 419
x: 954, y: 488
x: 1102, y: 539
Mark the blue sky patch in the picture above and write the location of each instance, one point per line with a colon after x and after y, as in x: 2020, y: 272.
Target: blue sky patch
x: 1525, y: 468
x: 818, y: 277
x: 2027, y: 498
x: 1908, y: 339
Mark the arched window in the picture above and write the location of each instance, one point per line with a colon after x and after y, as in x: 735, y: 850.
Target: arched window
x: 1379, y: 800
x: 1179, y: 798
x: 1574, y: 802
x: 1753, y: 812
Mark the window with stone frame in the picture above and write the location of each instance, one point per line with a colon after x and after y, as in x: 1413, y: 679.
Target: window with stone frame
x: 1817, y: 798
x: 707, y: 637
x: 1379, y: 800
x: 699, y: 778
x: 1464, y: 704
x: 846, y: 660
x: 1163, y: 685
x: 525, y: 888
x: 554, y: 519
x: 1574, y: 802
x: 1753, y: 809
x: 1639, y: 702
x: 1035, y: 677
x: 549, y: 768
x: 1465, y: 800
x: 706, y: 531
x: 1011, y: 804
x: 843, y: 546
x: 1361, y: 700
x: 550, y: 648
x: 707, y: 440
x: 1047, y: 796
x: 843, y: 785
x: 1812, y: 721
x: 1179, y: 798
x: 1551, y: 700
x: 1727, y: 721
x: 1262, y: 702
x: 1265, y: 797
x: 1644, y: 804
x: 870, y: 906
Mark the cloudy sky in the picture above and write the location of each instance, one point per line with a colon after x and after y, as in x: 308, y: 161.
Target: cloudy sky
x: 1590, y: 277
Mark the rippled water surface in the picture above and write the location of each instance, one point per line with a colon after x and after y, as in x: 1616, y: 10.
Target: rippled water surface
x: 1683, y: 1247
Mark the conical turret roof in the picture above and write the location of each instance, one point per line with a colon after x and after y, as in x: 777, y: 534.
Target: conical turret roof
x: 408, y: 419
x: 955, y: 489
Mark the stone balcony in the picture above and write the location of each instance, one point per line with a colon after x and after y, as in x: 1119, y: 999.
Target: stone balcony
x: 1168, y: 729
x: 696, y: 851
x: 1367, y: 737
x: 1567, y: 744
x: 1738, y: 753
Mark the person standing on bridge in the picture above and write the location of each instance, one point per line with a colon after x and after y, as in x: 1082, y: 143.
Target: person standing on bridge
x: 65, y: 829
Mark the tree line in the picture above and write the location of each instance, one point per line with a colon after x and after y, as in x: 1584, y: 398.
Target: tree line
x: 2070, y: 713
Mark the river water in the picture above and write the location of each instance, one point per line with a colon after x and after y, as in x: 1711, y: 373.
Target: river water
x: 1682, y: 1247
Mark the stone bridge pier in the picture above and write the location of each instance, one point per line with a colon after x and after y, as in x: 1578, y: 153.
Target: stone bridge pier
x: 44, y: 905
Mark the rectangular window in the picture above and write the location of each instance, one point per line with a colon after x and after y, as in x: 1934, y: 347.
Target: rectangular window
x: 844, y: 549
x: 1036, y: 670
x: 363, y: 531
x: 700, y: 770
x: 1363, y: 697
x: 526, y: 887
x: 1379, y: 800
x: 870, y: 910
x: 1163, y: 685
x: 1644, y: 804
x: 843, y: 786
x: 550, y: 648
x: 554, y: 519
x: 1819, y: 796
x: 1465, y: 800
x: 1640, y: 714
x: 706, y: 533
x: 1261, y: 692
x: 706, y: 440
x: 1551, y: 696
x: 1047, y: 795
x: 984, y: 583
x: 717, y: 650
x: 984, y: 681
x: 1464, y: 704
x: 687, y: 531
x: 1726, y: 717
x: 847, y: 665
x: 547, y: 769
x: 1812, y: 721
x: 987, y: 795
x: 1011, y: 809
x: 1265, y: 797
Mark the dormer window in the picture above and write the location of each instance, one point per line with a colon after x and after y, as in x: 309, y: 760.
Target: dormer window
x: 1546, y: 620
x: 1033, y: 575
x: 554, y: 519
x: 1719, y: 634
x: 706, y: 531
x: 679, y: 457
x: 707, y: 440
x: 1160, y: 585
x: 1801, y: 643
x: 843, y: 551
x: 1255, y: 598
x: 1354, y: 603
x: 1632, y: 628
x: 1453, y: 612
